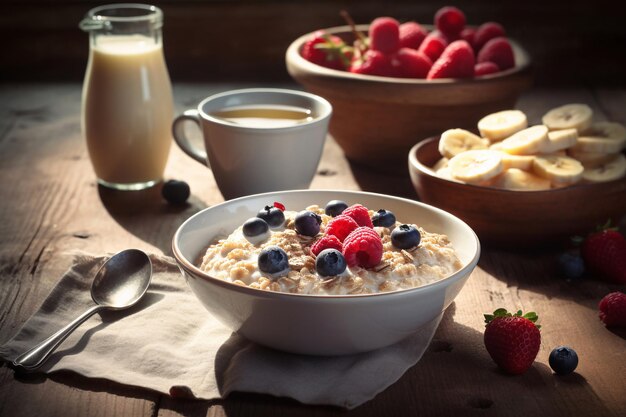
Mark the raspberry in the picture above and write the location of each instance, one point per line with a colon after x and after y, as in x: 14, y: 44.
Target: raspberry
x: 485, y: 33
x: 484, y: 68
x: 341, y: 226
x: 279, y: 206
x: 326, y: 50
x: 385, y: 35
x: 469, y: 36
x: 411, y: 63
x: 498, y: 51
x: 360, y: 214
x: 411, y: 35
x: 450, y: 20
x: 433, y: 46
x: 363, y: 247
x: 326, y: 242
x: 612, y: 309
x: 374, y: 63
x: 457, y: 61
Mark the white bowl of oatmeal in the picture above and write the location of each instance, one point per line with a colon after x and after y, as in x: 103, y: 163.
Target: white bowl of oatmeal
x: 302, y: 311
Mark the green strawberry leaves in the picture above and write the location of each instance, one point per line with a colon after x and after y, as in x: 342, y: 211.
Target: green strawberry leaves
x: 502, y: 312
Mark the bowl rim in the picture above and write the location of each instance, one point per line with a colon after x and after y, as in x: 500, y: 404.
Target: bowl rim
x: 425, y: 170
x: 188, y: 267
x: 293, y: 55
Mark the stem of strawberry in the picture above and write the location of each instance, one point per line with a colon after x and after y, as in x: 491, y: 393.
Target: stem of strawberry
x: 363, y: 42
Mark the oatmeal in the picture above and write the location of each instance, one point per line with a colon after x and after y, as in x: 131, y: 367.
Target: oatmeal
x: 311, y: 252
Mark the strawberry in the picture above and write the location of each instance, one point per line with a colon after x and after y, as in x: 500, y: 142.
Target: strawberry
x: 384, y: 35
x: 374, y: 63
x: 410, y: 63
x: 412, y: 35
x: 604, y: 253
x: 498, y: 51
x: 456, y: 61
x: 613, y: 309
x: 450, y: 21
x: 433, y: 46
x: 486, y: 32
x: 327, y: 50
x: 512, y: 340
x: 469, y: 36
x: 484, y: 68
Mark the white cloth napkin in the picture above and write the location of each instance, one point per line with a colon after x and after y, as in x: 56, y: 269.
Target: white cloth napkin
x: 171, y: 344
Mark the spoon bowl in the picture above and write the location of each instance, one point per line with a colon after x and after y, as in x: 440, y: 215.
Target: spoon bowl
x: 120, y: 283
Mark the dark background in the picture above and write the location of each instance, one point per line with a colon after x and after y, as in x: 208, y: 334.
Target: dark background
x: 572, y: 43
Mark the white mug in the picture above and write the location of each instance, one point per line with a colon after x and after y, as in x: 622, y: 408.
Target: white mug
x: 249, y: 158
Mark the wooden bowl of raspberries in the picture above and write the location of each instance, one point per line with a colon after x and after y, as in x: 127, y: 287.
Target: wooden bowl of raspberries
x: 392, y: 83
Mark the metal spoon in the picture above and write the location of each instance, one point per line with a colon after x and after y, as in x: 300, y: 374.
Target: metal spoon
x: 118, y: 284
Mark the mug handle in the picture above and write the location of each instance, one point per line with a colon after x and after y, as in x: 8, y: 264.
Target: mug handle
x: 183, y: 142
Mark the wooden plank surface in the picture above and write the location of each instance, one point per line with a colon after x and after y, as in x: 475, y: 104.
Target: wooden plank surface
x: 50, y: 205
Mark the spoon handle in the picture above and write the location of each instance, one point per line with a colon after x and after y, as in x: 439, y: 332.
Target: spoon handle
x: 36, y: 356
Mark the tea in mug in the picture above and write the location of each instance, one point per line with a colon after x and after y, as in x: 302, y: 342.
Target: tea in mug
x: 264, y: 116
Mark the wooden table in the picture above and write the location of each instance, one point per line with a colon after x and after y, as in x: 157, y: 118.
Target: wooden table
x: 50, y: 205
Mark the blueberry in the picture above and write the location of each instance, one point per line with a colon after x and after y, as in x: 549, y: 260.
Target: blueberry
x: 308, y: 223
x: 572, y: 265
x: 405, y: 236
x: 255, y: 227
x: 175, y: 192
x: 272, y: 216
x: 384, y: 218
x: 273, y: 260
x: 335, y: 207
x: 563, y: 360
x: 330, y: 262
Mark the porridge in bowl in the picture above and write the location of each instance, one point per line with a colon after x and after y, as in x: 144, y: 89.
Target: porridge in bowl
x: 335, y: 250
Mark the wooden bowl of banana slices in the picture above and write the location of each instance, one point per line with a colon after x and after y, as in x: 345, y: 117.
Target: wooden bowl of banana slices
x: 525, y: 186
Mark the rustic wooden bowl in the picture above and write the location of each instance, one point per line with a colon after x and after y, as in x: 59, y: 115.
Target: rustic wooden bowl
x: 376, y: 120
x: 517, y: 218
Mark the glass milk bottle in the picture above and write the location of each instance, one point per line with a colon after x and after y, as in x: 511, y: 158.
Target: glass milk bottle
x: 127, y: 105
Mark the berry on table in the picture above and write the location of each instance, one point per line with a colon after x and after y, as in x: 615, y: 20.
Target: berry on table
x: 272, y: 215
x: 175, y: 191
x: 326, y: 242
x: 363, y: 247
x: 330, y: 262
x: 498, y: 51
x: 563, y: 360
x: 385, y: 35
x: 384, y: 218
x: 604, y: 253
x: 512, y: 340
x: 273, y: 260
x: 308, y: 223
x: 360, y: 214
x: 405, y: 236
x: 571, y: 265
x: 341, y: 226
x: 255, y: 227
x: 456, y: 61
x: 335, y: 207
x: 411, y: 35
x: 613, y: 309
x: 450, y: 21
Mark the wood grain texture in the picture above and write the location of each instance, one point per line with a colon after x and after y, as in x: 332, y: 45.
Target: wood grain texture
x: 50, y: 205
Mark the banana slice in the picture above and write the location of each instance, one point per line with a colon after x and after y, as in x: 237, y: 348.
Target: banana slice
x: 591, y: 159
x: 476, y: 166
x: 446, y: 174
x: 560, y: 140
x: 570, y: 116
x: 528, y: 141
x: 519, y: 180
x: 496, y: 146
x: 500, y: 125
x: 609, y: 171
x: 442, y: 163
x: 602, y: 137
x: 559, y: 170
x: 455, y: 141
x: 523, y: 162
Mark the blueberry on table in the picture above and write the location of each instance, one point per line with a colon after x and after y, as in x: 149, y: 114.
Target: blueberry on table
x: 254, y: 227
x: 308, y: 223
x: 383, y: 218
x: 335, y: 207
x: 175, y: 191
x: 330, y: 262
x: 572, y: 265
x: 273, y: 216
x: 273, y: 260
x: 405, y: 236
x: 563, y: 360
